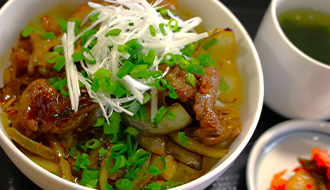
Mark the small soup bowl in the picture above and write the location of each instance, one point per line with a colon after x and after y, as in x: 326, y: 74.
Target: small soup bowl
x: 295, y: 84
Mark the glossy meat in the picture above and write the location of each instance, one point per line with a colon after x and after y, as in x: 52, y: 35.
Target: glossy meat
x: 44, y: 110
x: 213, y: 128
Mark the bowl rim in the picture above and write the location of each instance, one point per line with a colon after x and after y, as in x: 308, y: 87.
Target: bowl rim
x: 8, y: 146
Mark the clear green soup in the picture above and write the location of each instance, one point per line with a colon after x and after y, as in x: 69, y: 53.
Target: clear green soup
x: 309, y: 31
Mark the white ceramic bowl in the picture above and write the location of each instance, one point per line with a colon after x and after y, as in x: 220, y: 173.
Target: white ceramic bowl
x: 278, y: 148
x: 14, y: 17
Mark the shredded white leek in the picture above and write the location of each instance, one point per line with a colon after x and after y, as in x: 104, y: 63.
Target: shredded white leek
x: 118, y: 15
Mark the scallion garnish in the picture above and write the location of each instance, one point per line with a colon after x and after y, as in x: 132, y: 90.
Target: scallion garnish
x: 191, y: 79
x: 175, y: 24
x: 171, y: 116
x: 99, y: 122
x: 210, y: 43
x: 132, y: 131
x: 53, y: 57
x: 63, y: 84
x: 55, y: 82
x: 59, y: 50
x: 113, y: 128
x: 143, y: 115
x: 63, y: 25
x: 102, y: 151
x: 224, y: 87
x: 152, y: 30
x: 124, y: 184
x: 95, y: 86
x: 125, y: 69
x: 94, y: 17
x: 93, y: 143
x: 154, y: 170
x: 183, y: 139
x: 183, y: 63
x: 87, y: 60
x: 101, y: 73
x: 77, y: 21
x: 60, y: 63
x: 196, y: 69
x: 49, y: 35
x: 27, y: 31
x: 171, y: 61
x: 160, y: 114
x: 113, y: 32
x: 77, y: 56
x: 162, y: 28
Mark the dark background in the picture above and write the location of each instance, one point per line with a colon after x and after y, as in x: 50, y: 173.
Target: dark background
x: 250, y: 13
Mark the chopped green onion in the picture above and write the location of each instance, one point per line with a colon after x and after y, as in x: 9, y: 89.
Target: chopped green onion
x: 108, y: 187
x: 125, y: 69
x: 77, y: 56
x: 99, y: 122
x: 170, y: 62
x: 162, y: 11
x: 73, y: 151
x: 183, y: 63
x: 84, y: 180
x: 113, y: 138
x: 205, y: 59
x: 172, y: 94
x: 131, y: 131
x: 60, y: 63
x: 196, y: 69
x: 146, y: 97
x: 95, y: 85
x: 171, y: 116
x: 102, y: 151
x: 120, y: 90
x: 160, y: 114
x: 92, y: 183
x: 124, y: 183
x: 115, y: 117
x: 191, y: 79
x: 113, y: 32
x: 101, y: 73
x: 224, y: 87
x: 131, y: 24
x: 91, y: 62
x: 91, y: 173
x: 77, y: 21
x: 93, y: 143
x: 76, y: 32
x: 94, y: 17
x: 162, y: 28
x: 133, y: 43
x: 154, y: 170
x: 152, y: 30
x: 123, y: 49
x: 63, y: 83
x: 161, y: 84
x: 63, y: 25
x: 58, y: 50
x: 107, y: 86
x: 27, y: 31
x: 151, y: 57
x: 134, y: 107
x: 143, y: 70
x: 143, y: 115
x: 189, y: 50
x: 113, y: 128
x: 153, y: 186
x: 194, y: 61
x: 183, y: 139
x: 131, y: 146
x: 210, y: 43
x: 53, y: 57
x: 49, y: 35
x: 175, y: 24
x: 82, y: 147
x: 55, y: 82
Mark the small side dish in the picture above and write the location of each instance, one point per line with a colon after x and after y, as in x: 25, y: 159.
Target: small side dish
x: 313, y: 174
x: 123, y: 98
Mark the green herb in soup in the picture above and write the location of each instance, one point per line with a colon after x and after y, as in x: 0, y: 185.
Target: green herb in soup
x: 308, y: 30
